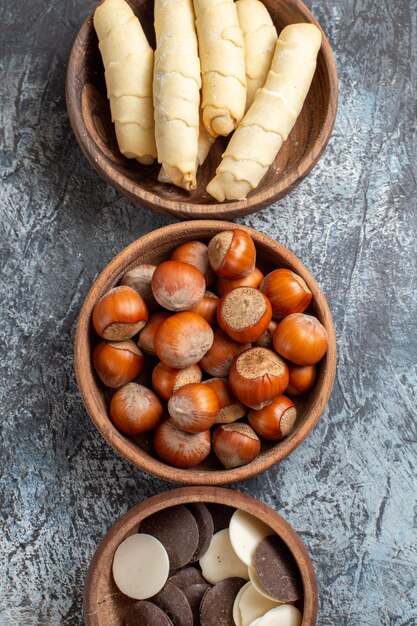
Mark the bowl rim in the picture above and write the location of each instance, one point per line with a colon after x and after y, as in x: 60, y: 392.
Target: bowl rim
x: 131, y: 451
x: 182, y: 209
x: 126, y: 524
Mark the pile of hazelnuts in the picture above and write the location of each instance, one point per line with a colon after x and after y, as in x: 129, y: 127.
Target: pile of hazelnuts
x: 251, y: 341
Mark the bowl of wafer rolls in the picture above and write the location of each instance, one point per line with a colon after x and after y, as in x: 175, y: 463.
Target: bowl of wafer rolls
x: 200, y: 108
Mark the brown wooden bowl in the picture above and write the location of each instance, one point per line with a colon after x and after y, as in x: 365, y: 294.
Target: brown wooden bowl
x: 154, y: 248
x: 89, y: 113
x: 105, y: 605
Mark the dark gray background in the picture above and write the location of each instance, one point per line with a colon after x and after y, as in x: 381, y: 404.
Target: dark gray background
x: 350, y: 488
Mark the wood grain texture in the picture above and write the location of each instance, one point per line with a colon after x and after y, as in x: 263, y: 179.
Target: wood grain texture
x: 154, y: 248
x: 104, y: 605
x: 89, y: 112
x: 349, y: 489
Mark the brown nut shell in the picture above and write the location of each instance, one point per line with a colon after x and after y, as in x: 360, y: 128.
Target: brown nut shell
x: 218, y: 359
x: 230, y: 408
x: 232, y: 254
x: 235, y: 444
x: 119, y: 314
x: 257, y: 376
x: 287, y: 292
x: 193, y: 408
x: 276, y: 420
x: 117, y: 363
x: 166, y: 380
x: 181, y: 449
x: 244, y: 314
x: 178, y: 286
x: 135, y: 409
x: 183, y: 339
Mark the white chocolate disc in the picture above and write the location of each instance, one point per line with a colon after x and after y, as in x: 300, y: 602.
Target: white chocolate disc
x: 237, y: 618
x: 140, y: 566
x: 220, y: 561
x: 246, y: 532
x: 284, y: 615
x: 256, y: 622
x: 253, y: 605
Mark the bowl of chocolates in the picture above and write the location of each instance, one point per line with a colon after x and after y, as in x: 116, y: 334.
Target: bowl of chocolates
x: 205, y: 352
x: 201, y: 557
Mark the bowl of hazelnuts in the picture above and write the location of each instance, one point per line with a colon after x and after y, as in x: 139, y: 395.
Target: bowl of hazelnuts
x: 205, y: 352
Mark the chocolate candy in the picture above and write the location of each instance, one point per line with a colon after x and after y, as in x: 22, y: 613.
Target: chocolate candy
x: 220, y: 561
x: 205, y: 528
x: 277, y: 570
x: 174, y: 603
x: 194, y: 595
x: 140, y: 566
x: 251, y: 605
x: 221, y: 515
x: 183, y: 578
x: 145, y: 614
x: 216, y: 607
x: 246, y: 532
x: 284, y: 615
x: 177, y: 530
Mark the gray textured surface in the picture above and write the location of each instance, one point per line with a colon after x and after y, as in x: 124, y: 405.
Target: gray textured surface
x: 350, y: 488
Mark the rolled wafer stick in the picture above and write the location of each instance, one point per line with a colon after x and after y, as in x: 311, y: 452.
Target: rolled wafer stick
x: 268, y: 122
x: 222, y: 57
x: 177, y: 83
x: 260, y: 37
x: 128, y: 63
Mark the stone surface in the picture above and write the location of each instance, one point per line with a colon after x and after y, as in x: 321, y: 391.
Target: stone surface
x: 350, y: 488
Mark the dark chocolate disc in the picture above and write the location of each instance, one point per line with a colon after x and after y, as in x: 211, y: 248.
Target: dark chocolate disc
x: 173, y: 602
x: 205, y: 528
x: 177, y: 530
x: 194, y: 594
x: 277, y: 570
x: 216, y: 608
x: 187, y: 576
x: 145, y: 614
x: 221, y: 515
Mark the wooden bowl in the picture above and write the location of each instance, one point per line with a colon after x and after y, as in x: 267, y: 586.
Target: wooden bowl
x: 154, y: 248
x: 89, y: 113
x: 105, y: 605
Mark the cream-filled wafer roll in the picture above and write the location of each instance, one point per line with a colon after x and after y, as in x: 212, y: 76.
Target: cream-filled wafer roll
x: 176, y: 92
x: 260, y: 37
x: 222, y: 57
x: 268, y: 122
x: 128, y: 63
